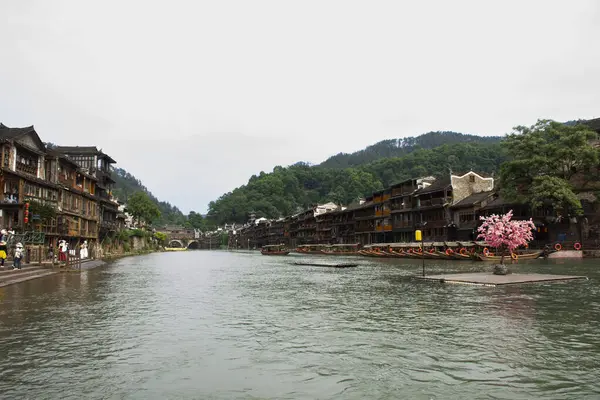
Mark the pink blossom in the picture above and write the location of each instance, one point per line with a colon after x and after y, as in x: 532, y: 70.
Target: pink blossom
x: 502, y: 232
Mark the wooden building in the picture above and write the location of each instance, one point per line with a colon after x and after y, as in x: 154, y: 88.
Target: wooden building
x: 78, y: 211
x: 98, y: 165
x: 23, y: 180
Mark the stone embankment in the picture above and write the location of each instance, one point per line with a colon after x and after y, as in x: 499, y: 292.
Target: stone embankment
x: 9, y: 276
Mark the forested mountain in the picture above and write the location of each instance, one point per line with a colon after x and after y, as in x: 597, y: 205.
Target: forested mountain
x: 288, y: 190
x: 127, y: 184
x: 400, y: 147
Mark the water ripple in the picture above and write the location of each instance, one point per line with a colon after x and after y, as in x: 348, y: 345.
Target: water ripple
x: 227, y: 325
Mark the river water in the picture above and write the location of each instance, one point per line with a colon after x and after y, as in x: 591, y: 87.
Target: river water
x: 221, y: 325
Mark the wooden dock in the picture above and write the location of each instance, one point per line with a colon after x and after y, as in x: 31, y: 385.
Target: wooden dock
x: 489, y: 279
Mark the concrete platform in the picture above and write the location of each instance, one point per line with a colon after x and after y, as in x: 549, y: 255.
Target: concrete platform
x: 566, y: 254
x: 489, y: 279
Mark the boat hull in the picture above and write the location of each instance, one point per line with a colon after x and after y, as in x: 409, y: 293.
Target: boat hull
x: 527, y: 256
x: 275, y: 253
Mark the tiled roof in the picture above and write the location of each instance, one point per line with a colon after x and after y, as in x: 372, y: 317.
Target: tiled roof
x: 83, y: 150
x: 437, y: 185
x: 473, y: 199
x: 11, y: 133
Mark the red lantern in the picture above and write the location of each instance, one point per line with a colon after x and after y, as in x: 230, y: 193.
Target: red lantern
x: 27, y: 206
x: 26, y: 219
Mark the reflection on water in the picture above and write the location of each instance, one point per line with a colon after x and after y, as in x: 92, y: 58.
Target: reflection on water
x: 241, y: 325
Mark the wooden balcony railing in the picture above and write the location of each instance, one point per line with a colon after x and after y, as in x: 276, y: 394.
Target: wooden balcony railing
x: 432, y: 202
x: 26, y: 168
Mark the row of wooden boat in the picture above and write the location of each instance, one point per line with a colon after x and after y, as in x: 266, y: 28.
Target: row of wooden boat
x: 478, y: 251
x: 468, y: 250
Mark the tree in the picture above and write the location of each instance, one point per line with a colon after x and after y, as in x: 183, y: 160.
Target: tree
x: 502, y: 232
x: 196, y: 221
x: 549, y: 157
x: 142, y: 208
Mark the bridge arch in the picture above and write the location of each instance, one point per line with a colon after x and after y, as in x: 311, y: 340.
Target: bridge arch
x: 193, y: 245
x: 176, y: 243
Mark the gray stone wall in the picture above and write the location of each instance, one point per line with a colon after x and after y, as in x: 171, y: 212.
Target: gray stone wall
x: 466, y: 185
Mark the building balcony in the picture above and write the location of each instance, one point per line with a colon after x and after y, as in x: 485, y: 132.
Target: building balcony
x: 432, y: 202
x: 396, y: 207
x: 29, y: 169
x: 403, y: 224
x: 10, y: 198
x: 109, y: 225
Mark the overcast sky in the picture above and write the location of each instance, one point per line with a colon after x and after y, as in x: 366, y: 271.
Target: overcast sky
x: 193, y: 97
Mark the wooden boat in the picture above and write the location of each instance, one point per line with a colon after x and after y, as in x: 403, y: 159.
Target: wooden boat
x: 345, y: 265
x: 311, y: 248
x: 342, y: 250
x: 175, y: 248
x: 523, y: 256
x: 274, y: 250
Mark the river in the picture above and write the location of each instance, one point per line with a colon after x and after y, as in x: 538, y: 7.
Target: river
x: 223, y: 325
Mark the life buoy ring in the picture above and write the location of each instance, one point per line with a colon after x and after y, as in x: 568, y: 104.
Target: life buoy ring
x: 557, y: 247
x: 449, y: 252
x: 419, y: 250
x: 577, y: 246
x: 463, y: 251
x: 514, y: 256
x: 486, y: 251
x: 432, y: 250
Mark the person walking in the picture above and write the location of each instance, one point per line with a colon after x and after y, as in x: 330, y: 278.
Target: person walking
x: 18, y: 256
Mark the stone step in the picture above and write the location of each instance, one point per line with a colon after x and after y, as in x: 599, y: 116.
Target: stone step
x: 8, y: 269
x: 25, y: 276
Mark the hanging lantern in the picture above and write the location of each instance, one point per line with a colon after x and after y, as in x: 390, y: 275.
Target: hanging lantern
x: 26, y: 213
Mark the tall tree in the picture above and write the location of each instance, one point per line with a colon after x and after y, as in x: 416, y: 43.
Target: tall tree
x: 550, y: 160
x: 142, y: 207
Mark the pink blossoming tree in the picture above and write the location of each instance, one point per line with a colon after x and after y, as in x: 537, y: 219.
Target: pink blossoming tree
x: 502, y: 232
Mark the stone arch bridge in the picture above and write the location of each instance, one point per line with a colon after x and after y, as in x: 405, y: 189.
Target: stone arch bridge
x: 182, y: 243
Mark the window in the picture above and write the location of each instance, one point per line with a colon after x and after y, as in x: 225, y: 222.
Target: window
x: 472, y: 178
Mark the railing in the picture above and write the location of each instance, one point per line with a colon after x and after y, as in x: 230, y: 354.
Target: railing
x: 111, y: 225
x: 26, y: 238
x: 27, y: 169
x: 403, y: 224
x: 432, y: 202
x: 307, y: 226
x: 365, y: 216
x: 400, y: 206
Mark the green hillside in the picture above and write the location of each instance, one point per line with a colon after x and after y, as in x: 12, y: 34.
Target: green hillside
x: 400, y: 147
x: 345, y: 178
